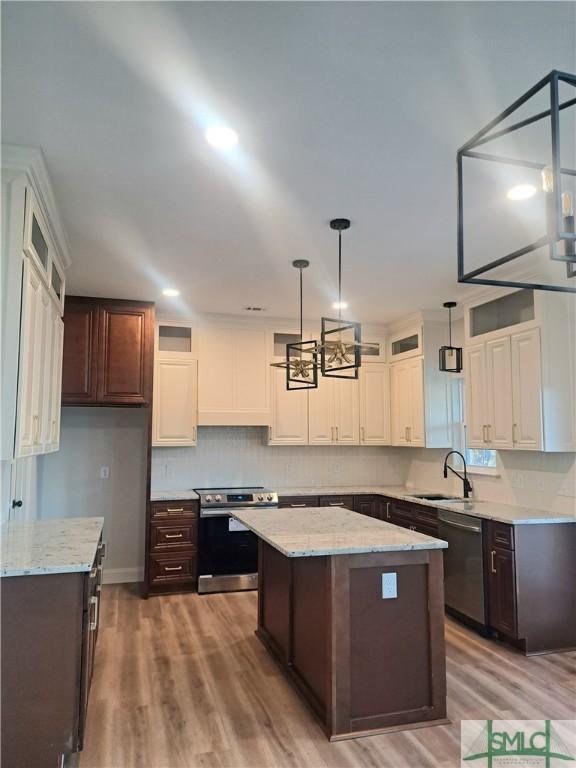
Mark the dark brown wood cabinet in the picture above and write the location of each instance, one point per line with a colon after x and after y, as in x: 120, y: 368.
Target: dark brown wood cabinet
x: 502, y: 589
x: 108, y: 352
x: 371, y: 506
x: 49, y: 625
x: 285, y: 502
x: 347, y: 502
x: 171, y: 553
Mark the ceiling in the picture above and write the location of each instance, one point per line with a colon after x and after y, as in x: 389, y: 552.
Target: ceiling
x: 342, y: 108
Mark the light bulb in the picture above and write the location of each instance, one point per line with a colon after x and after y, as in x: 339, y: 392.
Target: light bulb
x: 567, y: 206
x: 547, y: 179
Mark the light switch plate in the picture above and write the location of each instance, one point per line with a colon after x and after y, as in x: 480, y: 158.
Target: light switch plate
x: 389, y: 586
x: 104, y: 473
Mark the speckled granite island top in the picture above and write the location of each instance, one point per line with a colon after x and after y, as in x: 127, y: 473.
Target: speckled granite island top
x: 489, y: 510
x: 49, y: 546
x: 319, y: 531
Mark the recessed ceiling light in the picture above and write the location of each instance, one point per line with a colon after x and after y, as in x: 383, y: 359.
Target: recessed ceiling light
x: 521, y: 192
x: 221, y: 137
x: 340, y: 305
x: 170, y: 292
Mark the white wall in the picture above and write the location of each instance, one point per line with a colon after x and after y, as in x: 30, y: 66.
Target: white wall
x: 238, y: 456
x: 69, y: 483
x: 539, y: 480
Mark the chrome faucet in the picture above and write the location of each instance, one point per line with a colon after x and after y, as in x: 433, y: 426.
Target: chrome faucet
x: 464, y: 477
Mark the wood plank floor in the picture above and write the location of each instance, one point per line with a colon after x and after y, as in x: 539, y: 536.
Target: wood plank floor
x: 182, y: 682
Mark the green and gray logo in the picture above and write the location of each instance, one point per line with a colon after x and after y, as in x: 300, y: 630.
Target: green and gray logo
x: 517, y: 742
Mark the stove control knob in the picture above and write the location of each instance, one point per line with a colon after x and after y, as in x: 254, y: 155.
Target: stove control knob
x: 270, y: 497
x: 208, y: 498
x: 260, y: 497
x: 218, y: 498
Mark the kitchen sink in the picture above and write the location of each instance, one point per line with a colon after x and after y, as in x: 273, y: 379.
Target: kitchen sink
x: 435, y: 497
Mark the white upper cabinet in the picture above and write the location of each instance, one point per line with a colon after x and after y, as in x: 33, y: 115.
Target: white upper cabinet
x: 526, y: 390
x: 520, y: 372
x: 334, y: 412
x: 289, y: 415
x: 233, y: 376
x: 476, y: 408
x: 407, y: 403
x: 175, y: 401
x: 499, y: 393
x: 175, y: 404
x: 52, y: 392
x: 39, y: 247
x: 375, y: 404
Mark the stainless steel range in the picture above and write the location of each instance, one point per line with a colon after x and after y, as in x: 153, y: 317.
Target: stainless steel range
x: 227, y: 550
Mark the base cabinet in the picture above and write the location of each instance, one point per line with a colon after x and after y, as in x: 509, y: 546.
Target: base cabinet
x: 49, y: 628
x: 502, y: 589
x: 171, y: 553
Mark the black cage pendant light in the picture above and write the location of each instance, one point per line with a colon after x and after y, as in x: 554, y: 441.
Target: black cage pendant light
x: 450, y: 357
x: 301, y: 361
x: 517, y: 193
x: 341, y: 345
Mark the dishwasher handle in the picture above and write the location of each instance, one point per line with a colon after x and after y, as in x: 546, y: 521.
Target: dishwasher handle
x: 474, y: 528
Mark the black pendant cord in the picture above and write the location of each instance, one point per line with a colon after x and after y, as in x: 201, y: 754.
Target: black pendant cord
x: 449, y: 325
x: 301, y: 335
x: 340, y: 275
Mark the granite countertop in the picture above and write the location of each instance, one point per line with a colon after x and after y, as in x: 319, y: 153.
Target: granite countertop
x: 49, y: 546
x: 187, y: 495
x: 319, y: 531
x: 489, y: 510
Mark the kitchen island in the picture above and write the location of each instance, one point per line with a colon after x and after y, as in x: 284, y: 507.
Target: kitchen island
x: 352, y: 609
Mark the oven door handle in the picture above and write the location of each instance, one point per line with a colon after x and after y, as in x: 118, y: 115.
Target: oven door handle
x: 214, y: 513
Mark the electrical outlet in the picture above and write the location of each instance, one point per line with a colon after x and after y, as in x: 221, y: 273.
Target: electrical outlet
x: 104, y: 473
x: 389, y: 586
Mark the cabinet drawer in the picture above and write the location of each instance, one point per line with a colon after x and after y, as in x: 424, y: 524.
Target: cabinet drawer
x: 501, y: 535
x: 171, y: 567
x: 173, y: 510
x: 164, y: 536
x: 426, y: 515
x: 337, y: 501
x: 298, y: 501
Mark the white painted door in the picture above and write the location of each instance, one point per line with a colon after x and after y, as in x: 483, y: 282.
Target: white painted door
x: 527, y: 390
x: 499, y: 393
x: 475, y: 396
x: 48, y: 342
x: 346, y: 412
x: 23, y: 483
x: 31, y: 362
x: 321, y: 427
x: 289, y: 412
x: 400, y: 407
x: 175, y: 409
x: 417, y: 427
x: 57, y: 383
x: 374, y: 405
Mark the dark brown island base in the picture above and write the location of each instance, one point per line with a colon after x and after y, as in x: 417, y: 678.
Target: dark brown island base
x: 352, y: 609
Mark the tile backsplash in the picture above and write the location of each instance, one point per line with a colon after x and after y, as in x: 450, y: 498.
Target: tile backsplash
x: 238, y: 456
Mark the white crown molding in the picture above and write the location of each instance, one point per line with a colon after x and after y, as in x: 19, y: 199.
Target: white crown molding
x: 30, y: 161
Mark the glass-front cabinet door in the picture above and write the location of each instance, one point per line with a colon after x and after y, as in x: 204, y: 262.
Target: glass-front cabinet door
x: 39, y: 247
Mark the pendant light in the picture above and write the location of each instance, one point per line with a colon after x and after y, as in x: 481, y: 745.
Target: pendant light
x: 450, y: 357
x: 341, y: 345
x: 301, y: 363
x: 517, y: 176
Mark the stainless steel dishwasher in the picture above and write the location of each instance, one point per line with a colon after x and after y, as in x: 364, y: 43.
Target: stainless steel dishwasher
x: 463, y: 565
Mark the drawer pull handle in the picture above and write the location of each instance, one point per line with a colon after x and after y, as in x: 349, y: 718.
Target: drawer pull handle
x: 172, y: 567
x: 335, y: 503
x: 94, y: 602
x: 388, y: 509
x: 174, y: 509
x: 297, y: 505
x: 174, y: 535
x: 492, y: 555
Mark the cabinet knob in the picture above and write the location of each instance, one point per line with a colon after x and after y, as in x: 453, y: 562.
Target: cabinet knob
x: 16, y: 503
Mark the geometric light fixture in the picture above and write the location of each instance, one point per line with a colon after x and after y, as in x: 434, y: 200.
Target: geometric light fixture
x: 517, y: 192
x: 341, y: 345
x: 450, y: 357
x: 301, y: 363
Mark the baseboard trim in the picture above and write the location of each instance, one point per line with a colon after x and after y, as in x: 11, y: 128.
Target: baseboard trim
x: 122, y: 575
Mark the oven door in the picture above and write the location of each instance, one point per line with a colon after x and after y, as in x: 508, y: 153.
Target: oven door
x: 225, y: 546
